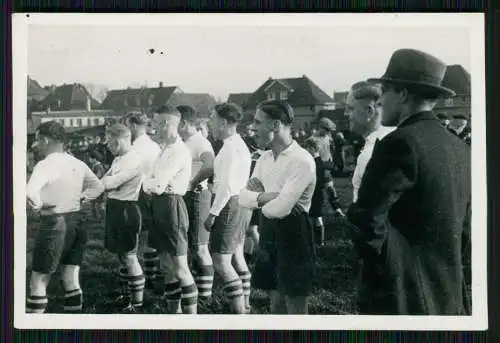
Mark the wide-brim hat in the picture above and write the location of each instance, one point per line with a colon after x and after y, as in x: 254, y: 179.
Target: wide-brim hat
x: 418, y: 69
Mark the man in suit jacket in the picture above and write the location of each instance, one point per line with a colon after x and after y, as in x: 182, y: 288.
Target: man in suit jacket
x: 413, y: 210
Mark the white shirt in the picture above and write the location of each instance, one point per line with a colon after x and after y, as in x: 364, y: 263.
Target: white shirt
x: 62, y: 180
x: 231, y: 171
x: 365, y: 156
x: 148, y: 150
x: 198, y: 145
x: 171, y: 171
x: 124, y: 177
x: 292, y: 175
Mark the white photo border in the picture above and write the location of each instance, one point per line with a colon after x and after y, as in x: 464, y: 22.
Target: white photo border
x: 479, y: 319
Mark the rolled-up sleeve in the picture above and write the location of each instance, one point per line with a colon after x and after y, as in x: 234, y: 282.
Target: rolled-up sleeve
x: 299, y: 179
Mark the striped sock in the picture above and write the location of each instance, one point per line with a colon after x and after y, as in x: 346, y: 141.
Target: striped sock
x: 173, y: 293
x: 204, y: 281
x: 234, y: 292
x: 245, y: 277
x: 124, y: 286
x: 36, y: 304
x: 73, y: 300
x: 136, y: 284
x: 151, y: 267
x: 189, y: 299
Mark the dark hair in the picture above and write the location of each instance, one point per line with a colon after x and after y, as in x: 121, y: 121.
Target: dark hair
x: 53, y: 130
x: 278, y: 110
x: 311, y: 143
x: 229, y: 111
x: 188, y: 113
x: 137, y: 118
x: 167, y: 109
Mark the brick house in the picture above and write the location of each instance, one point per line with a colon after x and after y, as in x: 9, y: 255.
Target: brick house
x: 457, y: 79
x: 306, y: 98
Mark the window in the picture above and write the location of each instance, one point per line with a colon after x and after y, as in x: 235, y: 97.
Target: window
x: 448, y: 102
x: 137, y: 101
x: 96, y: 121
x: 283, y: 95
x: 71, y: 122
x: 89, y: 122
x: 270, y: 96
x: 79, y: 122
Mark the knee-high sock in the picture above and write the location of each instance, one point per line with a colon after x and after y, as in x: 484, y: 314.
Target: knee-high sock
x: 204, y: 281
x: 73, y: 300
x: 136, y: 284
x: 36, y: 304
x: 189, y: 299
x: 173, y: 293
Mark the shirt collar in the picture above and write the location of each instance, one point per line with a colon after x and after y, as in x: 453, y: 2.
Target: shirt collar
x: 377, y: 134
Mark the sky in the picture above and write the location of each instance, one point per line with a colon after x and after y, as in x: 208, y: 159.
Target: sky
x: 228, y: 59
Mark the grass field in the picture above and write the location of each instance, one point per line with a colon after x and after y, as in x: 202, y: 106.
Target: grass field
x: 334, y: 289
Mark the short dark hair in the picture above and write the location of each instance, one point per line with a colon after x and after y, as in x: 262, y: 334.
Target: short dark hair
x: 229, y: 111
x: 311, y: 143
x: 137, y: 118
x: 168, y: 109
x: 188, y: 113
x: 278, y: 110
x: 53, y: 130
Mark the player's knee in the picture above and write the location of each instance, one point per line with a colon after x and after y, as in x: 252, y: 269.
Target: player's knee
x: 128, y: 260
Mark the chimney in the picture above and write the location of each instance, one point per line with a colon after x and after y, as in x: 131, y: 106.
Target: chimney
x: 160, y: 84
x: 88, y: 103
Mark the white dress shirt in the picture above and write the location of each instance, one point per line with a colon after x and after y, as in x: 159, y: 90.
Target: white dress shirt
x: 292, y: 175
x: 124, y: 177
x: 231, y: 171
x: 62, y: 180
x: 365, y: 156
x: 324, y: 145
x: 148, y: 150
x: 171, y: 171
x: 198, y: 145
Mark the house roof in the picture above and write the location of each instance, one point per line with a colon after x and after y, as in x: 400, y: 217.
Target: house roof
x: 35, y: 91
x: 203, y: 103
x: 457, y: 79
x: 340, y: 97
x: 305, y: 92
x: 115, y: 99
x: 239, y: 98
x: 68, y: 97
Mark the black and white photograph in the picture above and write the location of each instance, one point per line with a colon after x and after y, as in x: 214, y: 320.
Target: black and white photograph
x: 249, y: 171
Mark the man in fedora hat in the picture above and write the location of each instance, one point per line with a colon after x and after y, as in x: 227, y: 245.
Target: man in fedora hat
x: 413, y: 209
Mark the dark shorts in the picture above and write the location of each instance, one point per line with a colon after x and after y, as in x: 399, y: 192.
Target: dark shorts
x: 198, y: 206
x: 317, y: 204
x: 286, y: 255
x: 123, y: 225
x: 171, y: 223
x: 61, y: 240
x: 230, y: 227
x: 255, y: 217
x: 144, y: 203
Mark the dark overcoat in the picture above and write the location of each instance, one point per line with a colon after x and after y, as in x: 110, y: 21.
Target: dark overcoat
x: 412, y: 221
